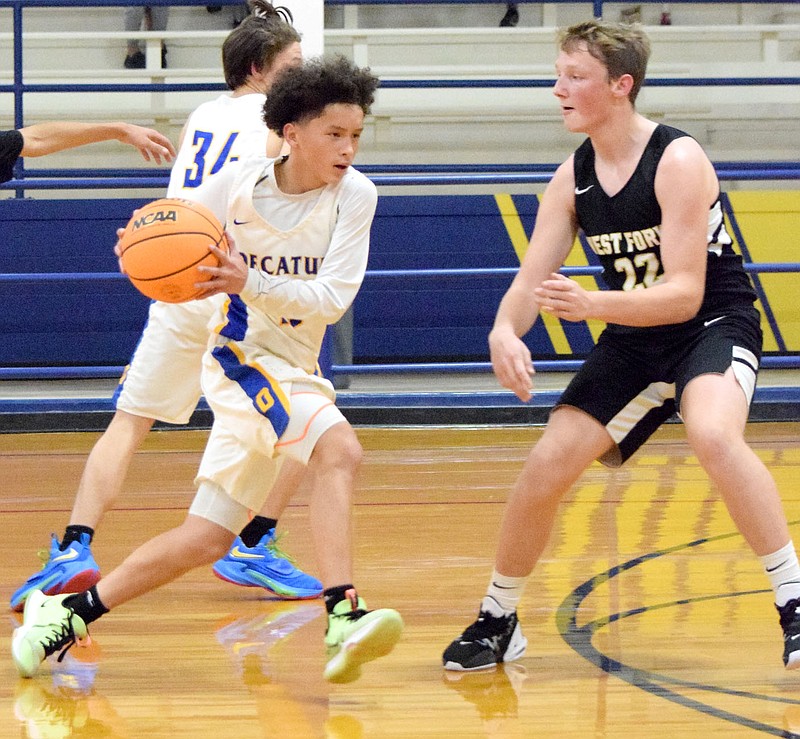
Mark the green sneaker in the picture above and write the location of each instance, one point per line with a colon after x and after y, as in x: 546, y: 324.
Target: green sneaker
x: 360, y: 636
x: 47, y: 627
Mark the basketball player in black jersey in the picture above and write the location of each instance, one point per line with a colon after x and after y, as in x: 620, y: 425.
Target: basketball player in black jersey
x: 682, y: 331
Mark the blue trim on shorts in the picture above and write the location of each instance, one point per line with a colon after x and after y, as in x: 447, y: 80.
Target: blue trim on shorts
x: 235, y: 319
x: 120, y: 386
x: 257, y: 385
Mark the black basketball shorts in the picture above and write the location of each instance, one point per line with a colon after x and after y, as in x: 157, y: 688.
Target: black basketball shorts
x: 632, y: 382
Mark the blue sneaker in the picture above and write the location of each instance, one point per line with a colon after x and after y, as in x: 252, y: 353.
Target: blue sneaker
x: 266, y: 566
x: 71, y: 571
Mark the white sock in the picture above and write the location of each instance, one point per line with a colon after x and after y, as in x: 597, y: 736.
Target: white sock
x: 507, y: 591
x: 783, y: 571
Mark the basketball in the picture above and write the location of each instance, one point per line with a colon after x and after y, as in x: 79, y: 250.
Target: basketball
x: 163, y: 245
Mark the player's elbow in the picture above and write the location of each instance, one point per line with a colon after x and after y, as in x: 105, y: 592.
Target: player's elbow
x: 37, y: 143
x: 32, y: 145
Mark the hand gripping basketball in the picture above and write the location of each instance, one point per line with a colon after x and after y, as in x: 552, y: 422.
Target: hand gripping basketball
x: 165, y: 243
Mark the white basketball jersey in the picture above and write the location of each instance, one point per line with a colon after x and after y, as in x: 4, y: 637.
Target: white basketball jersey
x: 304, y: 276
x: 217, y: 132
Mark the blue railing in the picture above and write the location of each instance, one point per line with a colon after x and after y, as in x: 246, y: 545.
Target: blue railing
x: 788, y: 361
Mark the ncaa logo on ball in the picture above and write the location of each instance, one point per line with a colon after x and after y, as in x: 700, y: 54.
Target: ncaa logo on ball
x: 159, y: 216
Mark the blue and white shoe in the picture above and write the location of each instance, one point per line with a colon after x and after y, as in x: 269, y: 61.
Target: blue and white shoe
x: 266, y: 566
x: 71, y: 571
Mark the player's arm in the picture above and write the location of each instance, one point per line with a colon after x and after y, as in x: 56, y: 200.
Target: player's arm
x: 46, y: 138
x: 685, y: 187
x: 552, y: 239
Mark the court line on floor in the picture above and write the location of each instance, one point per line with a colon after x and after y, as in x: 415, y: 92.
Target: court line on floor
x: 579, y: 638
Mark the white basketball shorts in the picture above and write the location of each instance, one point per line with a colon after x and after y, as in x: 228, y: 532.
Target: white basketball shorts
x: 162, y: 380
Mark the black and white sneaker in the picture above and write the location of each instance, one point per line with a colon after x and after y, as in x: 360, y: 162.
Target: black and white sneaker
x: 495, y: 637
x: 790, y: 623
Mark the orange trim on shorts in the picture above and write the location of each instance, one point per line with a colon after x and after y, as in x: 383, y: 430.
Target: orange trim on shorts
x: 310, y: 420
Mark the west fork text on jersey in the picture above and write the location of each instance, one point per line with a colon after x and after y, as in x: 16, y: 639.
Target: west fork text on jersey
x: 625, y: 242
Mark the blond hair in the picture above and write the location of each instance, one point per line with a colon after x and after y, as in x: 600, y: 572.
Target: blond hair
x: 622, y: 48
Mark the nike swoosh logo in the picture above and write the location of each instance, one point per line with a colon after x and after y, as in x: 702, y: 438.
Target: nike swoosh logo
x: 239, y: 223
x: 501, y: 587
x: 585, y: 189
x: 68, y: 555
x: 772, y: 569
x: 713, y: 320
x: 236, y: 552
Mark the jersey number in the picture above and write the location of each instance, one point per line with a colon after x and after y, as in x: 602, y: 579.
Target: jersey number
x: 264, y: 400
x: 203, y: 140
x: 651, y: 269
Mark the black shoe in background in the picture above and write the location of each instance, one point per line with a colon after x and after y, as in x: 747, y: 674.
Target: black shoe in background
x: 511, y: 18
x: 134, y: 61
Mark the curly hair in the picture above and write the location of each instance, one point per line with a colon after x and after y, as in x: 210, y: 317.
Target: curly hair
x: 622, y: 48
x: 256, y: 41
x: 303, y: 92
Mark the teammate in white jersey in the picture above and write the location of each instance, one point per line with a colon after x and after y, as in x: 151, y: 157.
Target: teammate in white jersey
x: 162, y: 381
x: 300, y: 231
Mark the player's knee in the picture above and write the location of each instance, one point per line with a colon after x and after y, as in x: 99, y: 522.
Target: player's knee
x: 339, y: 447
x: 711, y: 442
x: 205, y: 540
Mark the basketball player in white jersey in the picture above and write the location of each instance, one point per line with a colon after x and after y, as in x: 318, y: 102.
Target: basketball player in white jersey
x: 162, y: 381
x: 303, y: 221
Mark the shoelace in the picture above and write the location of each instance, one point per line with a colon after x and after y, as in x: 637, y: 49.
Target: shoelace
x: 273, y: 547
x: 45, y: 554
x: 486, y: 627
x: 61, y: 636
x: 353, y: 615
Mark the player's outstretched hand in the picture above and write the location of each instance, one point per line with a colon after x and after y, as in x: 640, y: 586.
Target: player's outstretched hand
x: 512, y: 364
x: 229, y: 277
x: 149, y: 142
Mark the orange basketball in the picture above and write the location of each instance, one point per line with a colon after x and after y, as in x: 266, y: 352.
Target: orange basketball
x: 163, y: 245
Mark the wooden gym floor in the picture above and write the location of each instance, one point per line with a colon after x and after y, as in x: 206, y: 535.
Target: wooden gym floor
x: 648, y: 615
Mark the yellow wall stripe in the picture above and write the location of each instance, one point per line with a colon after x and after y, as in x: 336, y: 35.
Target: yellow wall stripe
x: 519, y: 240
x: 513, y: 224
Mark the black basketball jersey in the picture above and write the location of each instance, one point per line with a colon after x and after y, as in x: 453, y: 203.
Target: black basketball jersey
x: 624, y: 232
x: 11, y: 143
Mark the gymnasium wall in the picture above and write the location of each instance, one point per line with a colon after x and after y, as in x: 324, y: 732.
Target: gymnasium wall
x: 65, y: 322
